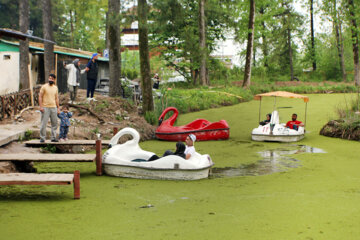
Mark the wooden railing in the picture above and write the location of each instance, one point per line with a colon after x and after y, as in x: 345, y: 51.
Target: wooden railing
x: 13, y: 103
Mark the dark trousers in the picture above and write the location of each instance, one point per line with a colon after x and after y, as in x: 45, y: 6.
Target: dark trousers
x: 91, y: 83
x: 63, y: 132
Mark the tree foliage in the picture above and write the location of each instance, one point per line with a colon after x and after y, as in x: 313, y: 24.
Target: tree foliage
x: 175, y: 32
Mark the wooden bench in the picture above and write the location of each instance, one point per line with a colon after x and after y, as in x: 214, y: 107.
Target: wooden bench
x: 49, y: 157
x: 43, y: 179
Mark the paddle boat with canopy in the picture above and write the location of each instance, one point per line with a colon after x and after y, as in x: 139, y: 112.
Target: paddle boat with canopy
x: 129, y: 160
x: 274, y: 130
x: 201, y: 128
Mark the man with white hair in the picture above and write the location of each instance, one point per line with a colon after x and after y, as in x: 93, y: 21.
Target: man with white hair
x: 190, y: 149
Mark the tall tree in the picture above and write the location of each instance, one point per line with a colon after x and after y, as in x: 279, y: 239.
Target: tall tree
x: 289, y: 19
x: 250, y: 45
x: 289, y: 40
x: 147, y: 99
x: 176, y: 32
x: 24, y: 9
x: 114, y: 47
x: 355, y: 41
x: 264, y: 46
x: 313, y: 52
x: 202, y: 42
x: 49, y: 60
x: 337, y: 22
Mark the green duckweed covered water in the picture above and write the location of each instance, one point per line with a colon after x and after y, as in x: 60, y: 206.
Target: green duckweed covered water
x: 317, y: 200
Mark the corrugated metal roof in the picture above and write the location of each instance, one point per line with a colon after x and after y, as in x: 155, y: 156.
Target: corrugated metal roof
x: 19, y: 35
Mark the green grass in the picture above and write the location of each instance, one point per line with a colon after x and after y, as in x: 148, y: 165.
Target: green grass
x: 319, y: 200
x: 187, y: 100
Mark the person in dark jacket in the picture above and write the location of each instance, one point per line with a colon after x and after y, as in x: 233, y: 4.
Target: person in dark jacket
x: 92, y: 72
x: 267, y: 120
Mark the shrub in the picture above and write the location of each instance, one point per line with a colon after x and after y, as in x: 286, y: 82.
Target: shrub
x: 150, y: 117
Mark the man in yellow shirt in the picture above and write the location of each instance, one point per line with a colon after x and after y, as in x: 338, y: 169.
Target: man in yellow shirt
x: 49, y: 108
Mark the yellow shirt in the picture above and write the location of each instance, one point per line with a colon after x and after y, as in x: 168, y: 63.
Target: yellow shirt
x: 50, y: 94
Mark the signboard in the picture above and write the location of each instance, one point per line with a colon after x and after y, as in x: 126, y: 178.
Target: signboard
x: 106, y: 53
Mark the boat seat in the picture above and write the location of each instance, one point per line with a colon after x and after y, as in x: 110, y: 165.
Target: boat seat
x: 275, y: 117
x: 139, y: 160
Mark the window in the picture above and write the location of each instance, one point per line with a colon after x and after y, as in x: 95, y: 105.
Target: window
x: 7, y: 57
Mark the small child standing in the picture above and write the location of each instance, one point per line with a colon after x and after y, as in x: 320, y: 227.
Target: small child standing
x: 64, y: 116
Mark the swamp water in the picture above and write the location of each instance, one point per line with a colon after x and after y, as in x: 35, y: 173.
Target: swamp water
x: 273, y: 160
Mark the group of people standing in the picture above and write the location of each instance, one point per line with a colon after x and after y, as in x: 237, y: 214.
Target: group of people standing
x: 49, y: 97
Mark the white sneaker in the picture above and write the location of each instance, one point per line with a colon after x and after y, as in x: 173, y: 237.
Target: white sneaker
x: 93, y: 99
x: 88, y: 99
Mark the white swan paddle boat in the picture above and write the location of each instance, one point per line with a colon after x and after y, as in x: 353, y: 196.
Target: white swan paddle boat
x: 129, y: 160
x: 275, y: 131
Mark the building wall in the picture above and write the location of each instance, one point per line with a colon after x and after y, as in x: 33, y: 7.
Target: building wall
x: 9, y: 72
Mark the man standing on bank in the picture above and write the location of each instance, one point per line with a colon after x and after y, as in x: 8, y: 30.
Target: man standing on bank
x: 49, y: 108
x: 92, y: 72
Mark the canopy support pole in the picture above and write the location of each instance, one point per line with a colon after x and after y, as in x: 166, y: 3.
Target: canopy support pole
x: 260, y: 110
x: 305, y: 113
x: 274, y: 103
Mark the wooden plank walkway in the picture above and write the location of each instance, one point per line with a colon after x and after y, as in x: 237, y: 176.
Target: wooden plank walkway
x: 48, y: 157
x: 43, y: 179
x: 37, y: 143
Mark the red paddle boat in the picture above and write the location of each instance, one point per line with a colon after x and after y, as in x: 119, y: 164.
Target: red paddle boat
x: 201, y: 128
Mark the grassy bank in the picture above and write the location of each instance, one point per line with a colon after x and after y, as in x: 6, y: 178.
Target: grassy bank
x: 318, y: 200
x: 187, y: 99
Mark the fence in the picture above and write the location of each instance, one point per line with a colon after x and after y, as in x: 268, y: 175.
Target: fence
x: 11, y: 104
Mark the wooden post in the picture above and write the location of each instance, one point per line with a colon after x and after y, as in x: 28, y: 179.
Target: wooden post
x: 98, y: 158
x: 115, y: 131
x: 3, y: 106
x: 76, y: 184
x: 15, y: 104
x: 31, y: 86
x: 56, y: 58
x: 260, y: 109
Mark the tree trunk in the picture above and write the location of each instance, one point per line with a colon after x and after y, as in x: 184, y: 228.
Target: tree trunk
x: 290, y: 53
x: 249, y: 50
x: 342, y: 58
x: 71, y: 29
x: 254, y: 57
x: 49, y: 60
x: 147, y: 98
x: 340, y: 45
x: 114, y: 48
x: 264, y: 41
x: 24, y: 9
x: 355, y: 42
x: 202, y: 41
x: 313, y: 52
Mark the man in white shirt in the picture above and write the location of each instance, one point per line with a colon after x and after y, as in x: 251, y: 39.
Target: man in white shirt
x: 190, y: 149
